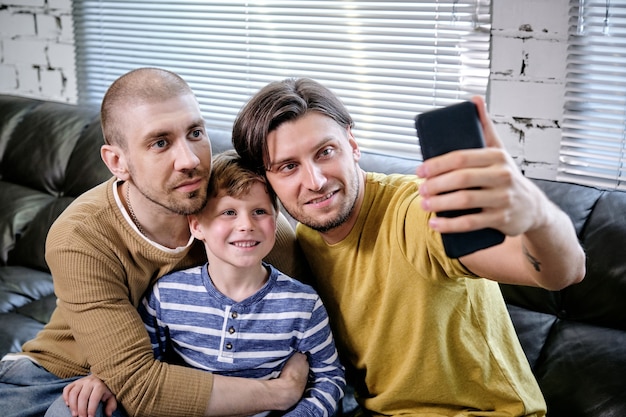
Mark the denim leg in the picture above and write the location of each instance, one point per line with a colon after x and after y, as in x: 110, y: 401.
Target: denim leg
x: 59, y: 409
x: 27, y: 389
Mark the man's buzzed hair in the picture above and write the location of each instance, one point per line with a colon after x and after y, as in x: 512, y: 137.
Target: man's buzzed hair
x: 136, y: 87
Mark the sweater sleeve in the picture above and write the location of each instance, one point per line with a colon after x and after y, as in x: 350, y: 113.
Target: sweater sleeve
x: 326, y: 377
x: 100, y: 276
x: 148, y: 310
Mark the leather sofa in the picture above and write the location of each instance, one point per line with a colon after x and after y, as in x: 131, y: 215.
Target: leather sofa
x: 575, y: 339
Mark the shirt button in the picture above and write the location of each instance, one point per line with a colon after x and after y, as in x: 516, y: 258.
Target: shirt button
x: 234, y: 315
x: 231, y: 330
x: 229, y: 346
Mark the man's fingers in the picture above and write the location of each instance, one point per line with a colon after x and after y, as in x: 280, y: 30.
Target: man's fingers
x: 71, y: 394
x: 110, y: 406
x: 83, y: 403
x: 489, y: 130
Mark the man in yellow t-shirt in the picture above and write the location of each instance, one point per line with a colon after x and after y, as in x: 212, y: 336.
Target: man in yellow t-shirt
x: 419, y: 333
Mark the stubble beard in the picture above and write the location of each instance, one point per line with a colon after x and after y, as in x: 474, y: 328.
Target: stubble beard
x: 345, y: 211
x: 192, y: 202
x: 196, y: 202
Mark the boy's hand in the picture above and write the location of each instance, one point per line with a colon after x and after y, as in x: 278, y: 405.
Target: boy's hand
x: 84, y: 395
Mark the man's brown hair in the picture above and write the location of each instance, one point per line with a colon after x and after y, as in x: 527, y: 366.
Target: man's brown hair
x: 276, y: 103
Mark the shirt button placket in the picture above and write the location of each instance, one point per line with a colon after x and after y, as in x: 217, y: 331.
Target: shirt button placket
x: 231, y: 330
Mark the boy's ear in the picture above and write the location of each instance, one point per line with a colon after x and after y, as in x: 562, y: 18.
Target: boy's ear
x: 115, y: 160
x: 194, y: 227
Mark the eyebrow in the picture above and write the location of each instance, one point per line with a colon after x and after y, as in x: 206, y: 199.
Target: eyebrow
x: 164, y: 133
x: 197, y: 122
x: 317, y: 147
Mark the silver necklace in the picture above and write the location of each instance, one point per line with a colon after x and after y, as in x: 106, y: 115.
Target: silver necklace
x: 133, y: 216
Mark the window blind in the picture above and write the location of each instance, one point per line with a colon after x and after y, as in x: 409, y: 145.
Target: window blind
x: 387, y: 61
x: 593, y: 147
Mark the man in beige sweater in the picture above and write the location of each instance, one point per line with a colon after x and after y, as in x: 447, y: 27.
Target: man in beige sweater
x: 112, y: 244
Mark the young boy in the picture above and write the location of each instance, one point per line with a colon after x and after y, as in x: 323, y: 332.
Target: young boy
x: 236, y: 315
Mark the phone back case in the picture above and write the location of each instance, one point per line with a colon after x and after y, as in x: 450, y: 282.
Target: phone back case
x: 441, y: 131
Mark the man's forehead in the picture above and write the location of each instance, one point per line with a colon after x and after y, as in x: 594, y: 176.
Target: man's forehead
x: 182, y: 109
x: 144, y: 121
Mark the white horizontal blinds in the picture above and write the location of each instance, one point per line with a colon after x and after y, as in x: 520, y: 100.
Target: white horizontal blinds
x: 387, y: 61
x: 593, y: 149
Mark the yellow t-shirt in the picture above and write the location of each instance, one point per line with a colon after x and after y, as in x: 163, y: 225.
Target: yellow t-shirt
x: 418, y: 333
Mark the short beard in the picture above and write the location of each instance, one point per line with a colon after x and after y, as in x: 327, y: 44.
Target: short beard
x: 186, y: 211
x: 197, y: 199
x: 323, y: 228
x: 332, y: 223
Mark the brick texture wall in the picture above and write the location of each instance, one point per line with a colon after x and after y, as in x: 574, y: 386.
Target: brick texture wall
x: 529, y: 45
x: 37, y: 49
x: 526, y: 93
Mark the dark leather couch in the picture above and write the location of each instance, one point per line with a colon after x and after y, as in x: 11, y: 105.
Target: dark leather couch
x: 575, y: 339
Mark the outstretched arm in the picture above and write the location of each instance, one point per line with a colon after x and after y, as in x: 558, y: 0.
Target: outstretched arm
x: 541, y: 247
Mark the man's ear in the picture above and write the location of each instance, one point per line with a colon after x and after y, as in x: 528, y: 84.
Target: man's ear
x: 115, y: 160
x: 194, y: 227
x: 356, y: 152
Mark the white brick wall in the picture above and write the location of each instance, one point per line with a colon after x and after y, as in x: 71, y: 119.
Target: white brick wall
x: 526, y: 96
x: 529, y: 44
x: 37, y: 49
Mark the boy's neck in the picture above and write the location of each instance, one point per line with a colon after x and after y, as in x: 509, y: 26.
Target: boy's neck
x: 237, y: 283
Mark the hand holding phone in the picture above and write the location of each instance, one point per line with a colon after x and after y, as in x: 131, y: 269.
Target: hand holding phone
x: 444, y: 130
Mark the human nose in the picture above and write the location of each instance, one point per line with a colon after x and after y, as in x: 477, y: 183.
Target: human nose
x: 186, y: 157
x: 245, y: 222
x: 314, y: 177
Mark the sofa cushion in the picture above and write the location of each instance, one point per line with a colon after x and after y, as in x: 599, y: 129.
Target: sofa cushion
x: 574, y: 338
x: 39, y: 149
x: 599, y: 299
x: 28, y: 250
x: 26, y: 303
x: 581, y: 370
x: 20, y: 206
x: 12, y: 109
x: 533, y: 329
x: 85, y: 166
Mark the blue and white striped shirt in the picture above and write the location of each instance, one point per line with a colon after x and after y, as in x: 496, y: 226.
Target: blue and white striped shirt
x: 188, y: 318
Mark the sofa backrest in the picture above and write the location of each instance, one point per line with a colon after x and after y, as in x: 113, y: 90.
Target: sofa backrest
x: 49, y: 154
x: 598, y: 217
x: 575, y: 339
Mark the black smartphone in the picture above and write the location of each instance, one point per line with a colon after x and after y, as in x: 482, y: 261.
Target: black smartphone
x: 443, y: 130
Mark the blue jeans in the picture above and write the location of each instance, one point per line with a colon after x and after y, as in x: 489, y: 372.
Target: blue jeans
x: 27, y: 389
